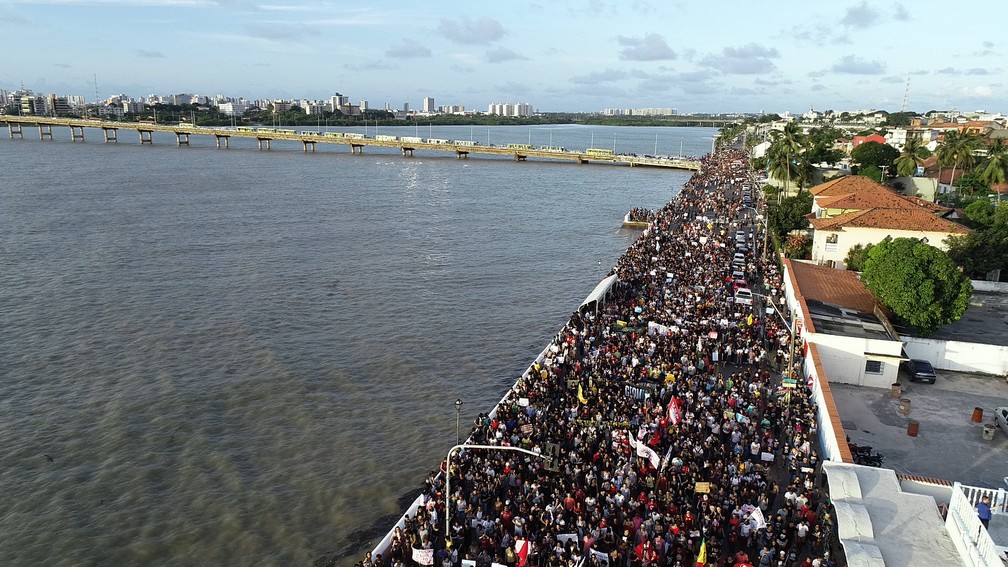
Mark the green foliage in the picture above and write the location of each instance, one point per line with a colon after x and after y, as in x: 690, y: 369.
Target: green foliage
x: 798, y: 246
x: 972, y: 183
x: 899, y: 118
x: 821, y: 149
x: 874, y: 153
x: 911, y: 157
x: 996, y: 169
x: 985, y: 248
x: 856, y: 257
x: 919, y: 283
x: 872, y: 172
x: 790, y: 214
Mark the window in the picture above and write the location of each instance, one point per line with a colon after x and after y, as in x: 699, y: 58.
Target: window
x: 874, y: 367
x: 832, y: 238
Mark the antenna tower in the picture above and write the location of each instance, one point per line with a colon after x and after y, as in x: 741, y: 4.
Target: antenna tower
x: 906, y: 95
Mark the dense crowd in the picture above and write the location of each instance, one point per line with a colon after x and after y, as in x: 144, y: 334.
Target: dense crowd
x: 640, y: 214
x: 668, y: 437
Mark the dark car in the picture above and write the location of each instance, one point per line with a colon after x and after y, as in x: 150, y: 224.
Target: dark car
x: 921, y: 371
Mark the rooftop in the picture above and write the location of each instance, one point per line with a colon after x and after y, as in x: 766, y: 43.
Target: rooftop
x: 878, y: 198
x: 845, y: 185
x: 916, y: 220
x: 829, y: 285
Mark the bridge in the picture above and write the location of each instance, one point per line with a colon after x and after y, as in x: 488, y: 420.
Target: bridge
x: 16, y: 126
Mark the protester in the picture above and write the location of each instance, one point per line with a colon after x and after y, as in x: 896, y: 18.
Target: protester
x: 672, y: 432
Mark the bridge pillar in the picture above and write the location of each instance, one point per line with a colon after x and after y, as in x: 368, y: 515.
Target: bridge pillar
x: 182, y: 138
x: 146, y: 137
x: 407, y: 151
x: 76, y: 133
x: 357, y: 148
x: 261, y: 140
x: 307, y: 143
x: 15, y: 130
x: 111, y: 135
x: 460, y: 154
x: 519, y: 157
x: 227, y: 140
x: 45, y: 131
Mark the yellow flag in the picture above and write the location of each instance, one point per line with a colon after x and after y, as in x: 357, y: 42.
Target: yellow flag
x: 701, y: 558
x: 581, y: 397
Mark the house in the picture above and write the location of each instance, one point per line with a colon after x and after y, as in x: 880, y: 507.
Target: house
x: 834, y: 311
x: 855, y: 210
x: 858, y: 140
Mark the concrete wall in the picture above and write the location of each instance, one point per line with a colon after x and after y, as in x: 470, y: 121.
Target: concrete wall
x: 832, y: 439
x: 990, y: 287
x: 851, y: 236
x: 959, y: 356
x: 845, y: 357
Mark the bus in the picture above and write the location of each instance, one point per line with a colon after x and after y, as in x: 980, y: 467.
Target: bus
x: 595, y: 152
x: 520, y: 147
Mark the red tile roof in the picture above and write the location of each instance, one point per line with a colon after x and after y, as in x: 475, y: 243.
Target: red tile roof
x: 845, y: 185
x: 914, y: 220
x: 878, y: 198
x: 829, y: 285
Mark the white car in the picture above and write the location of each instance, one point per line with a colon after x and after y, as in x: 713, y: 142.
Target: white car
x: 1001, y: 417
x: 743, y: 296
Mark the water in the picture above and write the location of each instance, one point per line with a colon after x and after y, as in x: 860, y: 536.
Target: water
x: 249, y: 358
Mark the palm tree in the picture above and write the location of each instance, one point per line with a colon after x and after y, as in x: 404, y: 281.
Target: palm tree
x: 912, y: 156
x: 996, y: 170
x: 785, y: 155
x: 957, y: 151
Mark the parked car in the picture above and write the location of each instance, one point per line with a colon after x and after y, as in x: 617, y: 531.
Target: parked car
x: 1001, y: 417
x: 739, y: 284
x: 921, y: 371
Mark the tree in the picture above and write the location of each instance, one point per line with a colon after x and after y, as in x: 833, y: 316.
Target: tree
x: 785, y: 159
x: 881, y: 156
x: 790, y: 214
x: 957, y: 150
x: 985, y: 248
x: 912, y: 156
x: 871, y: 172
x: 856, y: 257
x: 919, y: 283
x: 972, y: 184
x: 996, y: 170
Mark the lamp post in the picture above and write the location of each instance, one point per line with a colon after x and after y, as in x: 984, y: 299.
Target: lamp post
x: 447, y: 493
x: 458, y: 413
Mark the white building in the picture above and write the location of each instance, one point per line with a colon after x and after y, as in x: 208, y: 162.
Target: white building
x: 510, y: 109
x: 833, y: 310
x: 233, y: 108
x: 428, y: 105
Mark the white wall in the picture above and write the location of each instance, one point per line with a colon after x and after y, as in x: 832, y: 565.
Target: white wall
x: 959, y: 356
x: 844, y: 358
x: 852, y: 236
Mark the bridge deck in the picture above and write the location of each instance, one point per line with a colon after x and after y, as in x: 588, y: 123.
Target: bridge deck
x: 553, y: 154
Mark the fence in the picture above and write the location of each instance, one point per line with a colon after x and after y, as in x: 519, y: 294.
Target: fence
x: 972, y: 541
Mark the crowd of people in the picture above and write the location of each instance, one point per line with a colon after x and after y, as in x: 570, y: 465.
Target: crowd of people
x: 640, y: 214
x: 664, y: 432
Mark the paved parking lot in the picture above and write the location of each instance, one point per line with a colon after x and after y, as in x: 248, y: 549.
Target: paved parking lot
x: 948, y: 445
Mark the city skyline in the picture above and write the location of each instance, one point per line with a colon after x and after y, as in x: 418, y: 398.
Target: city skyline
x: 577, y: 57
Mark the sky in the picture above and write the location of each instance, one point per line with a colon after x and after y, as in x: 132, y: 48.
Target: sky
x: 558, y: 56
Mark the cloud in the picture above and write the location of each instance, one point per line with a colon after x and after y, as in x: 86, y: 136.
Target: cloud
x: 988, y: 49
x: 891, y: 79
x: 920, y: 72
x: 977, y: 71
x: 462, y: 68
x: 408, y: 49
x: 854, y: 65
x: 471, y: 32
x: 607, y: 76
x: 749, y: 59
x: 63, y: 65
x: 149, y: 54
x: 280, y: 31
x: 651, y: 47
x: 948, y: 71
x: 501, y: 54
x: 860, y: 16
x: 14, y: 19
x: 818, y: 88
x: 900, y: 13
x: 696, y: 82
x: 979, y: 91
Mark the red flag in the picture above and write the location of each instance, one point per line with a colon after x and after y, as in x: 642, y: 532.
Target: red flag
x: 521, y: 550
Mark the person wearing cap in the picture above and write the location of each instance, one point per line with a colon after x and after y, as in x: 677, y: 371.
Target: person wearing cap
x: 984, y: 511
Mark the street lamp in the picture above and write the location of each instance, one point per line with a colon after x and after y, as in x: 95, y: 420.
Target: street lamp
x: 447, y: 471
x: 458, y: 413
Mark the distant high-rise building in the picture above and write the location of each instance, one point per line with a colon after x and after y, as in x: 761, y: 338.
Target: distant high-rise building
x: 428, y: 105
x: 405, y: 107
x: 364, y: 105
x: 510, y: 109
